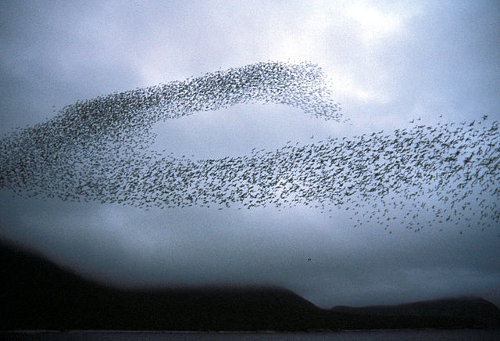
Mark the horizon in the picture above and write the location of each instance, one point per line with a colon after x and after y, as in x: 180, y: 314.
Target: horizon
x: 34, y: 257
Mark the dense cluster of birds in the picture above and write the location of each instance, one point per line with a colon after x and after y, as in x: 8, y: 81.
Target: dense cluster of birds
x: 100, y: 150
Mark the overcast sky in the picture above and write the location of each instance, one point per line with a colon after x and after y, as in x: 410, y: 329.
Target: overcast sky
x: 386, y: 62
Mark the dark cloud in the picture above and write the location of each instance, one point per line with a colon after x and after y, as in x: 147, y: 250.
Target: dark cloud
x: 193, y: 246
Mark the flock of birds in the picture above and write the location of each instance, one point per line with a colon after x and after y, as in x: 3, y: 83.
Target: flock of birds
x: 100, y: 150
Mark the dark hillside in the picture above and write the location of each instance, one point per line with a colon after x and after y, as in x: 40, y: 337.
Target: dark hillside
x: 36, y: 294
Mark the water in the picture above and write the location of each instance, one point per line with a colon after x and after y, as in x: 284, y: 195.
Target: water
x: 431, y: 335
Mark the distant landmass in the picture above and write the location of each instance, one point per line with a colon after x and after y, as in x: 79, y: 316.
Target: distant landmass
x: 37, y: 294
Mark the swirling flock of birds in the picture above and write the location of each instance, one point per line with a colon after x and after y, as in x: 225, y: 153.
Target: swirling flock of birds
x: 100, y: 150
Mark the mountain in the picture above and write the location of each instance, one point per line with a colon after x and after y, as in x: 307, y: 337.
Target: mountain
x: 462, y: 307
x: 484, y: 313
x: 37, y: 294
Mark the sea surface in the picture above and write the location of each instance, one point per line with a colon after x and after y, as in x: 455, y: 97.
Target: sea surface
x: 421, y: 334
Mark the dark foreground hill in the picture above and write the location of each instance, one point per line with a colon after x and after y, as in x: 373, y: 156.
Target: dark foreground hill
x: 36, y: 294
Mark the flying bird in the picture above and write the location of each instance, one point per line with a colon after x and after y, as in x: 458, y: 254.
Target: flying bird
x: 100, y: 150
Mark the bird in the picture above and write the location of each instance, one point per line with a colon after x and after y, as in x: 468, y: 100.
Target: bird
x: 99, y: 150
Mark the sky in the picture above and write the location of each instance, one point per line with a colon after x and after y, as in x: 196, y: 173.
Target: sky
x: 386, y: 64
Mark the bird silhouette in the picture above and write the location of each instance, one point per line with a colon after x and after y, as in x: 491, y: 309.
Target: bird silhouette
x: 100, y: 150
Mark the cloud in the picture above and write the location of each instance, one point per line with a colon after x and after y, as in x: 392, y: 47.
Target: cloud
x: 431, y: 58
x: 374, y: 24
